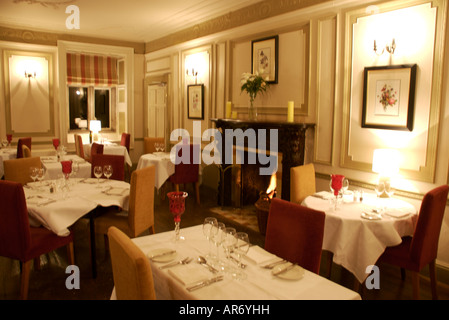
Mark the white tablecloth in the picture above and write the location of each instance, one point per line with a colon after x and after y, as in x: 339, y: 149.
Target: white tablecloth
x: 260, y: 283
x: 53, y: 168
x: 111, y: 149
x: 67, y: 207
x: 357, y: 242
x: 164, y: 166
x: 6, y: 154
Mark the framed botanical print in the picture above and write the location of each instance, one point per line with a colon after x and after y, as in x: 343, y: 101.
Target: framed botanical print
x: 389, y: 97
x: 195, y: 101
x: 264, y: 58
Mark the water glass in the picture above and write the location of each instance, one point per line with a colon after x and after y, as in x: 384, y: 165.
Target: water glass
x: 208, y: 223
x: 107, y: 170
x: 98, y: 172
x: 241, y: 248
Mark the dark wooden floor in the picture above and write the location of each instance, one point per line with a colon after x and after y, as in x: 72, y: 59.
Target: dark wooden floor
x: 49, y: 282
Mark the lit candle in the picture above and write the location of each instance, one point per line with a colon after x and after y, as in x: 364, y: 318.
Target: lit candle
x: 291, y: 111
x: 228, y: 109
x: 234, y: 115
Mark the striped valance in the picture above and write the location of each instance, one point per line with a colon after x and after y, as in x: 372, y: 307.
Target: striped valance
x: 91, y: 70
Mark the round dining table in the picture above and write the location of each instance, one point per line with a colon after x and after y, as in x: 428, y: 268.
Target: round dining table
x: 357, y: 232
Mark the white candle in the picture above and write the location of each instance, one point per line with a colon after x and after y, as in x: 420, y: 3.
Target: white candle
x: 291, y: 111
x: 228, y: 109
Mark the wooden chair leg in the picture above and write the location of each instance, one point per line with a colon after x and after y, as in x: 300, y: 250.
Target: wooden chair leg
x: 415, y: 284
x: 330, y: 257
x: 25, y: 279
x: 197, y: 191
x: 433, y: 280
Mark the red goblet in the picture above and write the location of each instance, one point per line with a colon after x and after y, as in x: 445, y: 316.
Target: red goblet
x: 9, y: 138
x: 336, y: 184
x: 56, y: 143
x: 66, y: 168
x: 177, y: 208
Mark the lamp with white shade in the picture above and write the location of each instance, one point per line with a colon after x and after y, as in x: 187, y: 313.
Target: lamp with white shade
x: 386, y: 164
x: 95, y: 128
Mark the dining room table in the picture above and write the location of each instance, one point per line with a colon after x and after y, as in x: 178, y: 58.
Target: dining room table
x: 208, y: 281
x: 53, y: 168
x: 6, y: 153
x: 358, y: 231
x: 58, y: 204
x: 164, y: 165
x: 112, y: 149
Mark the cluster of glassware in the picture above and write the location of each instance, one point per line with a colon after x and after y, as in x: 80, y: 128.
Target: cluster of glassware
x: 105, y: 170
x: 159, y: 146
x: 338, y: 185
x: 231, y: 241
x: 7, y: 142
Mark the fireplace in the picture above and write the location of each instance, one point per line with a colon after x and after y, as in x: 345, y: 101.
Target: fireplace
x: 245, y: 179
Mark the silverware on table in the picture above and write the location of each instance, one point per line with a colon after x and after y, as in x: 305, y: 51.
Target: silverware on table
x: 285, y: 269
x: 204, y: 283
x: 163, y: 254
x: 273, y: 264
x: 202, y: 261
x: 172, y: 264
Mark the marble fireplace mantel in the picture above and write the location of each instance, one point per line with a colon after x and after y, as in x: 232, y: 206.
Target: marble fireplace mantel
x: 291, y: 142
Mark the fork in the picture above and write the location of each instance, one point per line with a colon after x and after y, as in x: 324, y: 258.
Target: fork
x: 172, y: 264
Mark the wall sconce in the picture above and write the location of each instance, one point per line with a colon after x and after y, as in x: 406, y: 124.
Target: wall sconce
x: 29, y: 74
x: 388, y: 47
x: 386, y: 164
x: 193, y: 74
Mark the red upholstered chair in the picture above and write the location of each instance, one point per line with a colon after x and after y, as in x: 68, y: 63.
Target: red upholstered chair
x: 117, y: 162
x: 20, y: 143
x: 187, y: 171
x: 420, y: 250
x: 295, y: 233
x: 96, y: 148
x: 126, y: 139
x: 20, y: 241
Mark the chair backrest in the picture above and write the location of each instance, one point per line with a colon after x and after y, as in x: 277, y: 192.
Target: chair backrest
x: 131, y: 270
x: 26, y: 151
x: 424, y: 246
x: 302, y: 182
x: 141, y: 200
x: 15, y: 235
x: 186, y: 172
x: 149, y: 143
x: 126, y: 140
x: 79, y: 145
x: 117, y: 162
x: 96, y: 148
x: 295, y: 233
x: 18, y: 170
x: 20, y: 143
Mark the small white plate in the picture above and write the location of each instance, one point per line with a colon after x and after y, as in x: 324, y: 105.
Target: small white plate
x: 153, y: 255
x: 294, y: 273
x: 371, y: 216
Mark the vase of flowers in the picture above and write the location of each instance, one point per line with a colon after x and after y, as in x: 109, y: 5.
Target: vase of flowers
x: 253, y: 84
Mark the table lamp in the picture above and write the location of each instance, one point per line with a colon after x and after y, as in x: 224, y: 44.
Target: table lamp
x: 386, y: 164
x: 95, y: 128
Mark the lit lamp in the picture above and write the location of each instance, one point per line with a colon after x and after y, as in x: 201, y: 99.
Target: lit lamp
x: 95, y: 128
x: 386, y: 164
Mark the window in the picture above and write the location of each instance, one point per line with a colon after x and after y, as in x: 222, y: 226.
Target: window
x: 78, y: 100
x: 102, y: 106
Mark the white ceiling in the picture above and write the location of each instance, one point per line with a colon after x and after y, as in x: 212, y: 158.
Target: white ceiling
x: 130, y: 20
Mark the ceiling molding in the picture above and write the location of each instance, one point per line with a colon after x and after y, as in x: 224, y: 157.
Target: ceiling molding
x: 252, y: 13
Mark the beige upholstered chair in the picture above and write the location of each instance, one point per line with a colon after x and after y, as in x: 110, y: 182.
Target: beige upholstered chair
x: 140, y: 216
x: 79, y: 146
x: 18, y: 170
x: 26, y: 151
x: 131, y: 270
x: 302, y: 182
x: 149, y: 144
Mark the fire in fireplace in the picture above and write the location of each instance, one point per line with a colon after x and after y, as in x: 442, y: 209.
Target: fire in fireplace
x: 263, y: 204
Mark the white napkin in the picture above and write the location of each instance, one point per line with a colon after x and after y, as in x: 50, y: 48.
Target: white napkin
x: 93, y: 180
x: 39, y: 201
x: 115, y: 191
x: 260, y: 256
x: 190, y: 274
x: 397, y: 212
x: 323, y: 195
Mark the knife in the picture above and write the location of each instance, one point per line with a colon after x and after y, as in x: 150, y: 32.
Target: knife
x: 204, y: 283
x: 285, y: 269
x: 163, y: 254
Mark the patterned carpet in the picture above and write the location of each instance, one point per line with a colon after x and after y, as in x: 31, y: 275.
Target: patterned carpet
x: 245, y: 216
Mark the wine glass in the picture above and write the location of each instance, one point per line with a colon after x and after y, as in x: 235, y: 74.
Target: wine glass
x: 208, y: 223
x: 218, y: 238
x: 379, y: 189
x: 107, y: 170
x: 162, y: 146
x: 98, y: 172
x: 33, y: 173
x: 336, y: 185
x: 4, y: 143
x: 389, y: 190
x: 177, y: 208
x: 241, y: 248
x: 156, y: 146
x: 228, y: 242
x: 40, y: 174
x: 9, y: 139
x: 75, y: 168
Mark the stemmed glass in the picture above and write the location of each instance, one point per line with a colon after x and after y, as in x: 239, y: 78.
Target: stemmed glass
x: 162, y: 146
x: 56, y: 143
x: 389, y: 190
x: 40, y: 175
x: 336, y: 185
x: 228, y: 242
x: 177, y: 208
x: 107, y: 170
x: 208, y: 223
x: 4, y: 143
x: 33, y: 173
x: 218, y: 238
x: 98, y: 172
x: 75, y: 168
x: 379, y: 189
x: 156, y: 146
x: 9, y: 138
x: 241, y: 248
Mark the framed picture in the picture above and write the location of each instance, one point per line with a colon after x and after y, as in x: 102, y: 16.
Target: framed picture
x: 195, y: 101
x: 264, y: 58
x: 389, y: 97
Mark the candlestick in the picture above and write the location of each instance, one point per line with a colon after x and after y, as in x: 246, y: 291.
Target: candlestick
x: 291, y: 111
x: 228, y: 109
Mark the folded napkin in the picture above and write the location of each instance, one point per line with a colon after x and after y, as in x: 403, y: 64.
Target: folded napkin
x: 397, y: 212
x: 39, y: 201
x: 324, y: 195
x: 93, y: 180
x: 116, y: 191
x: 189, y: 274
x: 260, y: 256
